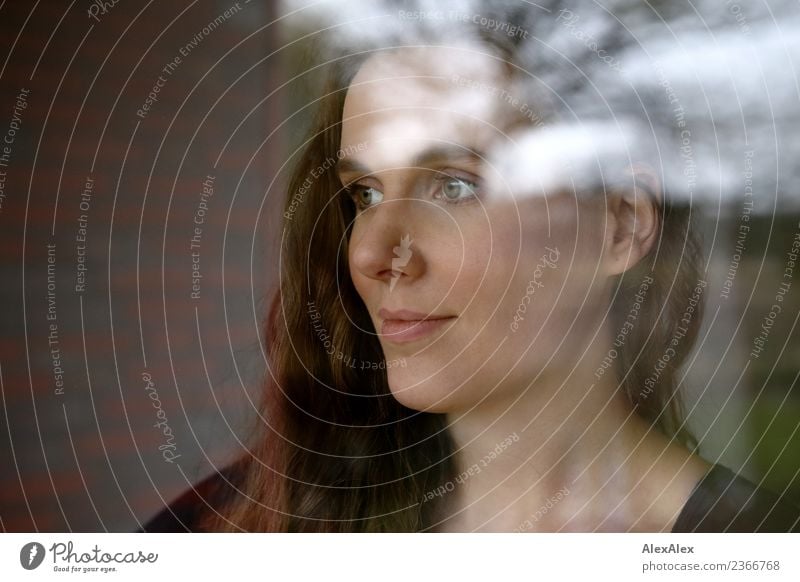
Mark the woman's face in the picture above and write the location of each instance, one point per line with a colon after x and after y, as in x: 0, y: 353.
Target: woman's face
x: 506, y: 275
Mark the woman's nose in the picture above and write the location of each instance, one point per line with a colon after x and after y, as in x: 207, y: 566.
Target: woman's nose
x: 383, y: 245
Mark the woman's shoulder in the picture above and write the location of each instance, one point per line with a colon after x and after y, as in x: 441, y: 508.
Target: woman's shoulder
x: 185, y: 513
x: 724, y: 501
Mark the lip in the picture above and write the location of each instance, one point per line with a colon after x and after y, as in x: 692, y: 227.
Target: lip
x: 405, y: 326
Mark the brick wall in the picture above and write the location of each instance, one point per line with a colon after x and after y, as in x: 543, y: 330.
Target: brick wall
x: 78, y: 446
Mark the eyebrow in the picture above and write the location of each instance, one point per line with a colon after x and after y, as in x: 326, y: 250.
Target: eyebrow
x: 427, y: 157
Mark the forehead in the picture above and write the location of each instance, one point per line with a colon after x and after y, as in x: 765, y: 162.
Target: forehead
x: 403, y: 101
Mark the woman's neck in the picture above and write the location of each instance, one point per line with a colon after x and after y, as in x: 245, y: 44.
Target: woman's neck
x: 565, y: 456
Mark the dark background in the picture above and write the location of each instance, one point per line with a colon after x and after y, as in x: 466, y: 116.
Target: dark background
x: 88, y: 459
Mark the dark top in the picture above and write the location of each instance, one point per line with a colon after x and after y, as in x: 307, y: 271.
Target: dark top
x: 722, y: 501
x: 185, y: 513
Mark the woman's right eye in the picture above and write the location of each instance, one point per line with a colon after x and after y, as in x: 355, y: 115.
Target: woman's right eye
x: 364, y: 196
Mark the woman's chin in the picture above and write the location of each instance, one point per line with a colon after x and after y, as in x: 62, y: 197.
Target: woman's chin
x: 424, y: 395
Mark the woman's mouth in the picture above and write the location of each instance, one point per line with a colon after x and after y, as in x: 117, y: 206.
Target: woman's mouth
x: 407, y: 330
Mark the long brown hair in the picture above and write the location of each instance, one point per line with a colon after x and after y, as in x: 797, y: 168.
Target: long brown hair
x: 335, y: 451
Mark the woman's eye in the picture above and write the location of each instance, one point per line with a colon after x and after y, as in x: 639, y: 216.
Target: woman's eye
x: 365, y: 196
x: 454, y: 189
x: 451, y: 189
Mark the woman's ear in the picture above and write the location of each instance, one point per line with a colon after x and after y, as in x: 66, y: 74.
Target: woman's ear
x: 633, y: 221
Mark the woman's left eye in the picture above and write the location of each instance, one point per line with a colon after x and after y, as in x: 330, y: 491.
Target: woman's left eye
x: 454, y: 189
